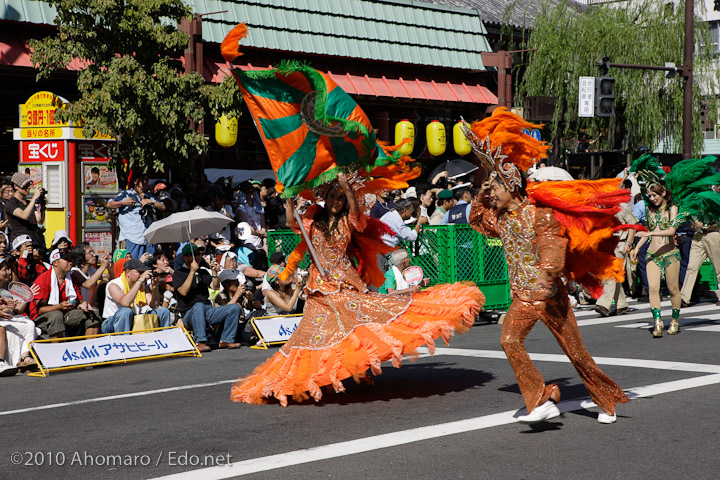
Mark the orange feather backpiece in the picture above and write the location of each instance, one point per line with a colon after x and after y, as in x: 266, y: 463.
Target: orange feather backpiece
x: 505, y: 129
x: 586, y: 209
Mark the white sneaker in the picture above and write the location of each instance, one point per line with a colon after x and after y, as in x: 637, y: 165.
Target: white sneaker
x: 604, y: 417
x: 7, y: 370
x: 546, y: 411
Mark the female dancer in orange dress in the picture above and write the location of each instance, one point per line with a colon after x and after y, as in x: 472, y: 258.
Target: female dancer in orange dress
x: 346, y: 329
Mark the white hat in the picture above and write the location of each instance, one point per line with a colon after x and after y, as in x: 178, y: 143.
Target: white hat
x: 225, y: 257
x: 19, y: 240
x: 243, y: 230
x: 411, y: 193
x: 223, y: 247
x: 231, y: 275
x: 60, y: 235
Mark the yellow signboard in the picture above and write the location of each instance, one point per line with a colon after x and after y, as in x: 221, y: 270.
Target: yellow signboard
x: 36, y: 133
x: 39, y: 111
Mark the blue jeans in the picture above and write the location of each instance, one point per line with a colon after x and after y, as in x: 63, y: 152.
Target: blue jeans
x: 137, y: 250
x: 122, y: 320
x: 202, y: 314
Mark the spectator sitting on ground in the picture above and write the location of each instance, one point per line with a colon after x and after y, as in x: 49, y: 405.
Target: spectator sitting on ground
x: 395, y: 219
x: 130, y: 295
x: 460, y: 213
x: 85, y: 273
x: 234, y: 291
x: 134, y: 206
x: 61, y: 241
x: 445, y: 203
x: 29, y: 266
x: 160, y: 265
x: 191, y: 283
x: 19, y: 329
x: 6, y: 369
x: 283, y: 297
x: 395, y: 283
x: 57, y: 303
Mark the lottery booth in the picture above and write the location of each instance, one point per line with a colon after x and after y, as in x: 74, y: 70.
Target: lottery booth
x: 72, y: 168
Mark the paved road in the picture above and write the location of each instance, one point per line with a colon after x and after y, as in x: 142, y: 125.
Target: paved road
x: 445, y: 416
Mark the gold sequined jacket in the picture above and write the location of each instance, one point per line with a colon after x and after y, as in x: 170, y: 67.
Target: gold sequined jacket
x: 533, y: 242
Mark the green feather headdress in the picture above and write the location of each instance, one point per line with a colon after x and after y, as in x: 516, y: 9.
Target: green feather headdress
x: 690, y: 182
x: 649, y: 170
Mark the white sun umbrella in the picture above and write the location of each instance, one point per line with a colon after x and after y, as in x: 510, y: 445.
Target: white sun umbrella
x: 184, y: 226
x: 553, y: 174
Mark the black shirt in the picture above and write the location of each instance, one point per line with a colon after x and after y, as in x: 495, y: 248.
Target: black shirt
x: 17, y: 225
x: 198, y: 292
x: 380, y: 208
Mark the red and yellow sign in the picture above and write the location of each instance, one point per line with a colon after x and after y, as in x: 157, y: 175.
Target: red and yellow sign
x: 39, y: 111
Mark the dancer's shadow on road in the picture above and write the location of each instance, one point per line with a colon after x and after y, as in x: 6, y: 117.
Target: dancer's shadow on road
x: 411, y: 381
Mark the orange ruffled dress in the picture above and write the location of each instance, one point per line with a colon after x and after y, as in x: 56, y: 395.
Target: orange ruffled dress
x: 346, y: 329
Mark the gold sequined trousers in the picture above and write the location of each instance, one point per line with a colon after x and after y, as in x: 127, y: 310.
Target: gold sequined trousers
x: 557, y: 315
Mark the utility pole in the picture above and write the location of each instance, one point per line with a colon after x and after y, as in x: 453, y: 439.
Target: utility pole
x: 687, y: 73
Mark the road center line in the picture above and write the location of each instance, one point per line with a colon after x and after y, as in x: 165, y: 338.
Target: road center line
x: 403, y: 437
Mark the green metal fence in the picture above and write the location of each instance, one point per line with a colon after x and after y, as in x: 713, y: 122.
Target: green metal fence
x: 447, y: 254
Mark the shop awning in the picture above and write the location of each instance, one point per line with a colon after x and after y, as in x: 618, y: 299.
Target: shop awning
x: 414, y: 88
x: 382, y: 86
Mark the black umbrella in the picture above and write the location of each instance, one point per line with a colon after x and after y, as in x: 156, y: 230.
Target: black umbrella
x: 455, y: 168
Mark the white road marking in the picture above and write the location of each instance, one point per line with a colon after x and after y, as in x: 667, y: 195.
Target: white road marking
x: 116, y: 397
x: 685, y: 313
x: 707, y: 328
x: 403, y: 437
x: 561, y: 358
x: 636, y: 325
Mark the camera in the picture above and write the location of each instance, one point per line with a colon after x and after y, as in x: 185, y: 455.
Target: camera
x: 42, y: 199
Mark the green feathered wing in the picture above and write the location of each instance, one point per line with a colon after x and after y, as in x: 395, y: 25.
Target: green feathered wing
x: 690, y: 182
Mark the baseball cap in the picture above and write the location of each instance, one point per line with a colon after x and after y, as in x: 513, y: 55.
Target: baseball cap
x: 445, y: 194
x: 19, y: 240
x: 256, y: 182
x: 189, y: 248
x: 159, y: 186
x: 273, y: 273
x: 135, y: 264
x: 21, y: 180
x: 226, y: 275
x: 60, y: 254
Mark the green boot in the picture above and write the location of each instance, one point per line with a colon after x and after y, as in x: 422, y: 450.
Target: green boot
x: 674, y: 322
x: 659, y: 325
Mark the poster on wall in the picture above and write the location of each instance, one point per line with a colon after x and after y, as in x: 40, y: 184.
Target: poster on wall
x: 98, y: 178
x: 101, y: 242
x: 34, y: 171
x: 95, y: 212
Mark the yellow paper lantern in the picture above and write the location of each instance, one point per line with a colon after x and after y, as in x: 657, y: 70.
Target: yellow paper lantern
x: 435, y: 134
x: 226, y: 131
x: 460, y: 141
x: 405, y: 129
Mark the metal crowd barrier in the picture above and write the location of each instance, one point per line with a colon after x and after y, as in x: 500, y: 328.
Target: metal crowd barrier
x: 446, y: 253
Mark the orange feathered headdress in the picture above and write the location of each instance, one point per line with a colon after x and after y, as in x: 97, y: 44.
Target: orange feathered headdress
x: 504, y: 150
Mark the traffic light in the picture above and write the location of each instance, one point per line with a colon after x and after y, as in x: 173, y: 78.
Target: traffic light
x: 604, y: 97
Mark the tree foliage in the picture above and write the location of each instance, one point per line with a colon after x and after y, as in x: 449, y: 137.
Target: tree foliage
x: 132, y: 83
x: 648, y: 106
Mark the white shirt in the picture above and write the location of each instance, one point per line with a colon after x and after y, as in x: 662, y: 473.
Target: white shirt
x: 393, y: 220
x: 111, y: 306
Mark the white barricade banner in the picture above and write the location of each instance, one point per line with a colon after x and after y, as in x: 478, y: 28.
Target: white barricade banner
x: 113, y: 348
x: 276, y: 329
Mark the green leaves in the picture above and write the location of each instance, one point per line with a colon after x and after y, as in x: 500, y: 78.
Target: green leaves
x: 133, y: 86
x: 648, y: 106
